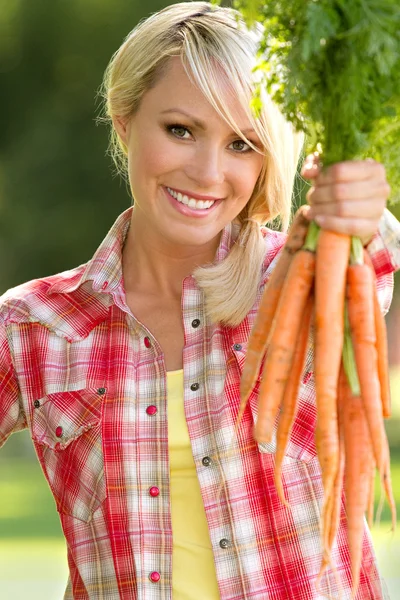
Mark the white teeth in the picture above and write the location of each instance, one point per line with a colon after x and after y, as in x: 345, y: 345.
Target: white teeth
x: 191, y: 202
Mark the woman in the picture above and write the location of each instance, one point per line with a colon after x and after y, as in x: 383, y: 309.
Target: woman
x: 127, y: 369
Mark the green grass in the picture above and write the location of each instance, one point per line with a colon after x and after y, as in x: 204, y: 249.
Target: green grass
x: 395, y: 472
x: 387, y: 548
x: 34, y: 568
x: 27, y: 507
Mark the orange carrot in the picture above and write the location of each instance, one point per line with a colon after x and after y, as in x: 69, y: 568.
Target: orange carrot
x: 370, y: 506
x: 383, y: 358
x: 362, y: 325
x: 289, y: 403
x: 381, y: 346
x: 387, y: 483
x: 261, y: 329
x: 333, y: 252
x: 330, y: 527
x: 285, y: 331
x: 357, y: 475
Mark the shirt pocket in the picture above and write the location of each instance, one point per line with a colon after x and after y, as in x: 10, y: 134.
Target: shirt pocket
x: 66, y: 432
x: 301, y: 445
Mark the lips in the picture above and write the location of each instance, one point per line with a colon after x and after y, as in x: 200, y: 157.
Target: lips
x: 197, y: 213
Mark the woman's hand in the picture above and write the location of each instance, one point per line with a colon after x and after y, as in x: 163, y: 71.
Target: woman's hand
x: 349, y: 197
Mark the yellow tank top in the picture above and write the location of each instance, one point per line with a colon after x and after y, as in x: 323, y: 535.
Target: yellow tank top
x: 193, y: 570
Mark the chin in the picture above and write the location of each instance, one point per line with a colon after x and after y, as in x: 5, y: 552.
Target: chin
x: 194, y: 238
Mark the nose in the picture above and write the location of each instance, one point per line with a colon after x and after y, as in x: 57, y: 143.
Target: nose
x: 206, y: 167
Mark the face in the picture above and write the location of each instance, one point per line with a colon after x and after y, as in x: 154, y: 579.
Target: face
x: 189, y: 172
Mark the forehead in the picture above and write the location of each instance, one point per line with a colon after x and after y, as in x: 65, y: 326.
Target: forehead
x: 175, y: 89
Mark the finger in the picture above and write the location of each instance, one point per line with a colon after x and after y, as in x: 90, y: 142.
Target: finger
x: 348, y: 192
x: 310, y: 170
x: 314, y: 157
x: 363, y: 228
x: 367, y: 209
x: 311, y: 166
x: 351, y: 170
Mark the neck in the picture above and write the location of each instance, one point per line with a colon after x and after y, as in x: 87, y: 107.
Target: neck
x: 153, y: 264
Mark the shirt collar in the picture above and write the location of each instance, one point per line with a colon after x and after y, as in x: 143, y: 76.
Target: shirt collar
x: 104, y: 270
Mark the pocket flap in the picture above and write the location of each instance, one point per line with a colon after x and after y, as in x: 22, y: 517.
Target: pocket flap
x: 61, y: 417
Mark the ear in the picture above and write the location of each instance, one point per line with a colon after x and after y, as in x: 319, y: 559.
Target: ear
x: 121, y: 126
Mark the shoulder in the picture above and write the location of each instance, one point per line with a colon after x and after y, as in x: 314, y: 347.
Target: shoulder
x: 274, y: 242
x: 27, y: 301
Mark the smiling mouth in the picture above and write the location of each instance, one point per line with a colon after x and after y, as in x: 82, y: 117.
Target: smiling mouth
x: 190, y: 202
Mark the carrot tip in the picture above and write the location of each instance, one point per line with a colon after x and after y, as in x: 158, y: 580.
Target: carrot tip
x: 281, y: 495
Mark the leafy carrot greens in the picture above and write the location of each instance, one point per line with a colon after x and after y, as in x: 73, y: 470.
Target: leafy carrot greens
x: 333, y: 68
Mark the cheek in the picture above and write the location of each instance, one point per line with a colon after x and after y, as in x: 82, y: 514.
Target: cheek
x: 150, y: 159
x: 246, y: 177
x: 144, y: 162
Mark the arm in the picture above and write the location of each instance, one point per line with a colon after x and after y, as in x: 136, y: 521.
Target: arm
x: 12, y: 417
x: 384, y: 249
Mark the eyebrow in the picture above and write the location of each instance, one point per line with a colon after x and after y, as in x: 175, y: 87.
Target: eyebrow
x: 198, y: 124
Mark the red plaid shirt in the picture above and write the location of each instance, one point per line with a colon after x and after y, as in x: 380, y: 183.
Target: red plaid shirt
x: 89, y: 381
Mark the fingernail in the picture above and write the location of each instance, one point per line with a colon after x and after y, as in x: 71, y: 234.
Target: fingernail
x: 319, y: 220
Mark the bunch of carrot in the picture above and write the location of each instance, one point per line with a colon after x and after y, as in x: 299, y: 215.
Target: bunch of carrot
x: 325, y: 280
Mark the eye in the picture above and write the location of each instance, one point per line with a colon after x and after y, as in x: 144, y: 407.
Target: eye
x: 240, y: 146
x: 178, y: 131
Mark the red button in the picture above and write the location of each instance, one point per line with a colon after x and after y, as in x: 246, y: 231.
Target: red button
x: 59, y: 431
x: 147, y: 342
x: 154, y: 491
x: 307, y: 377
x: 105, y: 284
x: 151, y: 410
x: 154, y: 576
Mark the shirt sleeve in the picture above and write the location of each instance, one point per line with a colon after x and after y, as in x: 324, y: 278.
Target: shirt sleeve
x: 384, y: 249
x: 12, y: 417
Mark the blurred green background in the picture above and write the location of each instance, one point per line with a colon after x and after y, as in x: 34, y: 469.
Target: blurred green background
x: 58, y: 198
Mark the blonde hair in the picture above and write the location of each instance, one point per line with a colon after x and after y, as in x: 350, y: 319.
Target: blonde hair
x: 209, y: 38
